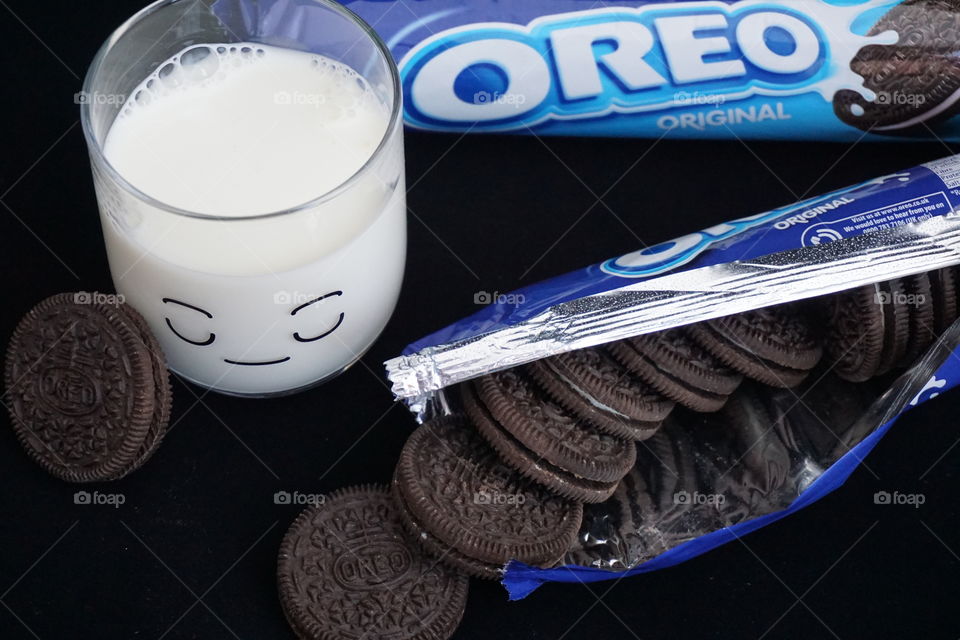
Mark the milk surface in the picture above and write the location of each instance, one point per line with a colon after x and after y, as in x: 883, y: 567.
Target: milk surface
x: 243, y: 301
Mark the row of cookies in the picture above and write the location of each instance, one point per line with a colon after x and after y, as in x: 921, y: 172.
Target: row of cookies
x: 703, y: 472
x: 886, y: 326
x: 509, y: 479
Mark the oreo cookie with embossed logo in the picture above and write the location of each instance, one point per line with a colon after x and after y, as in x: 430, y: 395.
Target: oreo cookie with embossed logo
x: 774, y: 345
x: 87, y: 388
x: 346, y: 569
x: 597, y: 388
x: 679, y: 368
x: 916, y: 81
x: 459, y: 493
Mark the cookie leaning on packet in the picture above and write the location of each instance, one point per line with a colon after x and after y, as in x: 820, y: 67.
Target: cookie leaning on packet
x: 87, y: 387
x: 860, y: 280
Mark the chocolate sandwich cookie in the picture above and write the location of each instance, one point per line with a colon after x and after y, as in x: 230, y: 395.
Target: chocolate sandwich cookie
x: 916, y: 81
x: 679, y: 368
x: 761, y: 460
x: 163, y: 393
x: 774, y: 345
x: 555, y: 433
x: 667, y: 463
x: 605, y: 541
x: 943, y: 286
x: 530, y: 463
x: 675, y: 484
x: 87, y: 388
x: 637, y: 512
x: 435, y: 548
x: 920, y: 311
x: 346, y: 569
x: 603, y: 392
x: 868, y: 330
x: 741, y: 463
x: 889, y: 297
x: 811, y: 430
x: 456, y: 488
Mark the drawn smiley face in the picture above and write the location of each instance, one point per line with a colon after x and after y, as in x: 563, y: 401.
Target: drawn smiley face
x: 200, y: 340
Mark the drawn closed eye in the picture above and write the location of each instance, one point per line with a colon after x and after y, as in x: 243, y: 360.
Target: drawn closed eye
x: 200, y: 343
x: 325, y: 333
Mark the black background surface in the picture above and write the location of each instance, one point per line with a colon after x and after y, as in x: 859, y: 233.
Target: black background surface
x: 191, y: 554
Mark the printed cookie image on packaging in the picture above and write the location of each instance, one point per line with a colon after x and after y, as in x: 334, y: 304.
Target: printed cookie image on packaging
x: 794, y: 69
x: 691, y: 392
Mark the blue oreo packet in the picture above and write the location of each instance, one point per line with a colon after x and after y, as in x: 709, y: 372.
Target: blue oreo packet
x: 784, y: 69
x: 888, y: 227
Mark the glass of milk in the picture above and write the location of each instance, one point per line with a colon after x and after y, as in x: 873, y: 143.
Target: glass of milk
x: 248, y: 163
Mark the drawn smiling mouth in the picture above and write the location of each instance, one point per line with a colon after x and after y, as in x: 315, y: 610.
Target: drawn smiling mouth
x: 256, y: 364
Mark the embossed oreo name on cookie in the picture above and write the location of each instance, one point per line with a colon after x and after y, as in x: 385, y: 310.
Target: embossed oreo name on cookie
x: 347, y: 570
x: 87, y: 387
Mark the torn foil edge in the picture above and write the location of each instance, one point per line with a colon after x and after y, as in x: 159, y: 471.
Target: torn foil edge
x: 676, y: 299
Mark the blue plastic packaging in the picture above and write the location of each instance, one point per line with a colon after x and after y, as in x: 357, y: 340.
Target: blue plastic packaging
x: 885, y: 228
x: 692, y: 69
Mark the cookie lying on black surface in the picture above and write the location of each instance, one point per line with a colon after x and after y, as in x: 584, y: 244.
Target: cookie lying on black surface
x: 87, y: 388
x: 473, y: 511
x: 346, y: 569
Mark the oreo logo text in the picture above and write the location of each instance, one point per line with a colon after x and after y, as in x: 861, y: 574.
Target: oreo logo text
x: 373, y: 565
x: 592, y: 63
x: 69, y: 391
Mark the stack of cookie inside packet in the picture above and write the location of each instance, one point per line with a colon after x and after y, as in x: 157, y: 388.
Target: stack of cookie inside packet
x: 595, y: 457
x: 636, y: 424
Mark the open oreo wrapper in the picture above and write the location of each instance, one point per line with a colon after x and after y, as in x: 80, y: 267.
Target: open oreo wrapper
x: 882, y: 249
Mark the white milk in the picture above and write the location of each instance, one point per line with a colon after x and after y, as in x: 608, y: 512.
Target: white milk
x: 235, y: 131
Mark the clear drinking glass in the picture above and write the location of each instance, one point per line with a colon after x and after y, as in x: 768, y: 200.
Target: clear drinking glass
x: 261, y: 304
